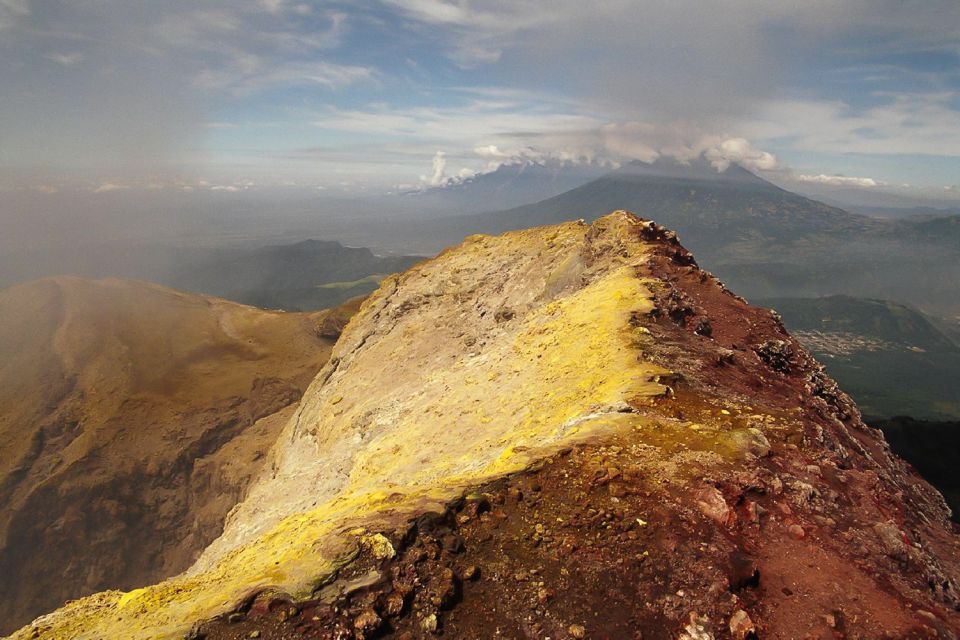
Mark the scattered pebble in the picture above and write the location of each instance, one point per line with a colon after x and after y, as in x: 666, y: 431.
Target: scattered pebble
x: 741, y: 626
x: 429, y: 624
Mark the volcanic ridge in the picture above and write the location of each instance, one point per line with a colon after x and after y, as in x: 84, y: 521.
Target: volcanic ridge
x: 564, y: 432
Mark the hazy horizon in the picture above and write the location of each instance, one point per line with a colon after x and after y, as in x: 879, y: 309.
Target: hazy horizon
x: 132, y: 133
x: 361, y: 98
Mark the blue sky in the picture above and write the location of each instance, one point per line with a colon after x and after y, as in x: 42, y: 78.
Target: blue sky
x: 109, y: 94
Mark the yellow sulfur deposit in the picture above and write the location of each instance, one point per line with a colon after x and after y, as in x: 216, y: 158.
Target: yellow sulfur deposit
x: 467, y: 367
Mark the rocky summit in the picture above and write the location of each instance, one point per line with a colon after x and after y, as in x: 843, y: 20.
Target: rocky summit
x: 564, y: 432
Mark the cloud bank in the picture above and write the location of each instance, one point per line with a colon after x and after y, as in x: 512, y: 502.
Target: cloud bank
x: 840, y: 181
x: 283, y: 91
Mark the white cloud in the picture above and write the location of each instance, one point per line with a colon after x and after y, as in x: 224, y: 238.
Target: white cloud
x: 145, y: 78
x: 477, y: 123
x: 686, y: 58
x: 495, y: 157
x: 272, y: 6
x: 18, y: 7
x: 234, y: 187
x: 241, y: 52
x: 65, y: 59
x: 630, y: 140
x: 439, y: 177
x: 569, y: 82
x: 476, y: 33
x: 439, y: 170
x: 12, y: 11
x: 483, y: 134
x: 493, y: 153
x: 258, y: 75
x: 15, y: 7
x: 107, y: 187
x: 841, y: 181
x: 740, y: 151
x: 925, y: 123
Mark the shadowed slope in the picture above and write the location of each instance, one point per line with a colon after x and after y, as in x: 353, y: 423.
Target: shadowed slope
x: 132, y: 416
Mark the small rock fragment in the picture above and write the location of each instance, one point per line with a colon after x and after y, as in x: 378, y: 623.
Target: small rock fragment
x: 777, y: 354
x: 392, y: 604
x: 759, y: 445
x: 696, y: 629
x: 429, y: 623
x: 711, y: 503
x: 891, y: 539
x: 379, y: 546
x: 366, y: 623
x: 741, y: 626
x: 194, y: 634
x: 577, y: 631
x: 704, y: 328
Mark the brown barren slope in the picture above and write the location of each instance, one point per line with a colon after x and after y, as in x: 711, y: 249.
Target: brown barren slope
x: 132, y: 418
x: 564, y: 432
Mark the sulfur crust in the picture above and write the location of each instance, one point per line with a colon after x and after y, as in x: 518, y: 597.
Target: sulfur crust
x: 561, y: 372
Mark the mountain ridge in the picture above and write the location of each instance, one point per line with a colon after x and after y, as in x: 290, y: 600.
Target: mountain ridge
x: 653, y: 188
x: 532, y: 428
x: 125, y: 443
x: 763, y: 240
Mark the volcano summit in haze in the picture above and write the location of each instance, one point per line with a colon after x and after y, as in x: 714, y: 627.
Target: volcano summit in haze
x: 695, y: 194
x: 509, y: 185
x: 763, y: 240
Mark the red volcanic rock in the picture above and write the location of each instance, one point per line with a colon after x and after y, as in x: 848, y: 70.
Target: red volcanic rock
x: 727, y: 488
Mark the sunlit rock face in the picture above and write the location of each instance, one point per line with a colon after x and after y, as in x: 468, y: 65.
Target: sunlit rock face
x: 568, y: 431
x: 462, y: 369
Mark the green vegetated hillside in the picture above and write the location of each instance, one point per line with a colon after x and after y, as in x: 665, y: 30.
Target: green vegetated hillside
x: 891, y: 358
x: 308, y: 275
